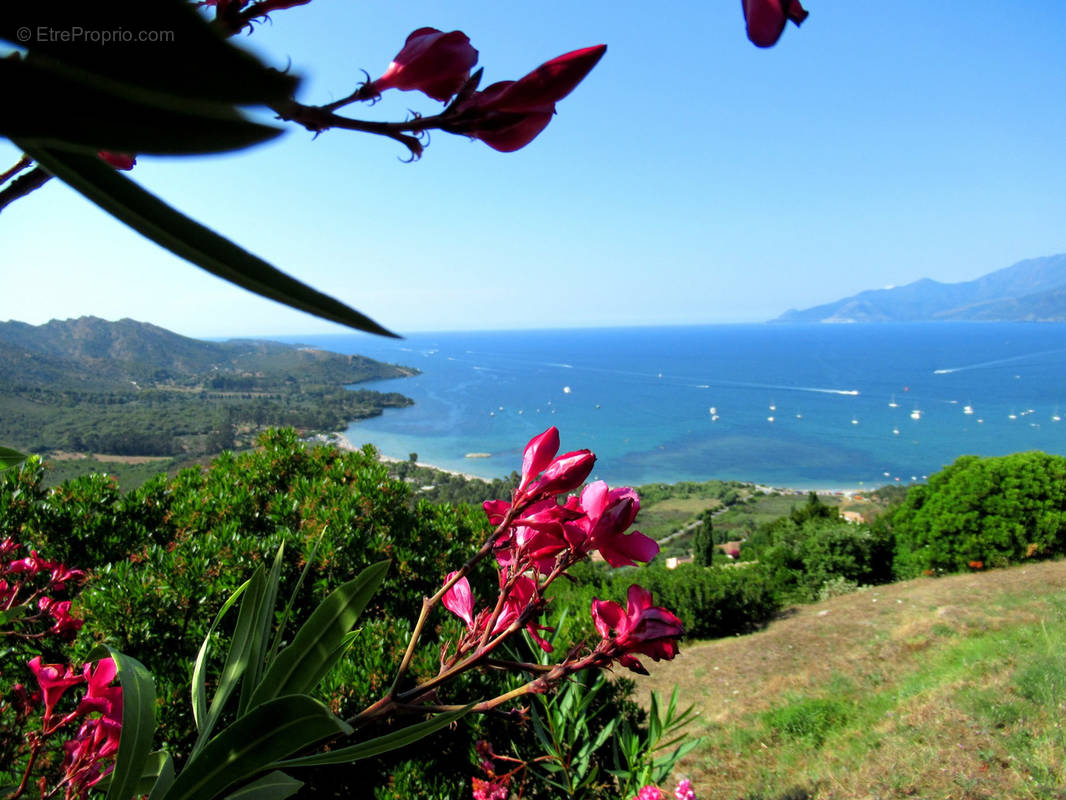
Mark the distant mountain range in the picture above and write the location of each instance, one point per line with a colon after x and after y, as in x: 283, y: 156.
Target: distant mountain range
x: 1033, y: 290
x: 93, y: 353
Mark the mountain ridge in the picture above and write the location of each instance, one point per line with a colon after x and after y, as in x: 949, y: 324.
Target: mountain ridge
x: 92, y: 351
x: 1032, y: 290
x: 131, y: 388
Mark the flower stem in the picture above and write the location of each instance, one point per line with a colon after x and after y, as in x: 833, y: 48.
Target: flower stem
x: 22, y: 186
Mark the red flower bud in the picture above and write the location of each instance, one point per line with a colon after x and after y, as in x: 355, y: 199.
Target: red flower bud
x: 766, y: 19
x: 118, y: 160
x: 460, y: 600
x: 508, y: 115
x: 432, y: 62
x: 539, y: 454
x: 564, y: 473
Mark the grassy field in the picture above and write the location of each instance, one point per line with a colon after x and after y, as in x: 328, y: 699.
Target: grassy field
x: 663, y: 517
x: 936, y: 688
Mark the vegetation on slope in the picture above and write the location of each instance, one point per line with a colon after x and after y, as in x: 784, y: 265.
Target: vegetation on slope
x: 932, y: 688
x: 127, y: 388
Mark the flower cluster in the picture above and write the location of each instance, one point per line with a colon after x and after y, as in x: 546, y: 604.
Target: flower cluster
x: 539, y: 536
x: 32, y: 582
x: 493, y: 786
x: 683, y: 791
x: 89, y: 754
x: 507, y: 115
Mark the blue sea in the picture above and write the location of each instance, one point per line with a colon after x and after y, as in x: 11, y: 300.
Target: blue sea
x: 801, y: 406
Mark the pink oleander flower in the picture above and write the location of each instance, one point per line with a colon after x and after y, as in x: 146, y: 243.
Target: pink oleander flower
x: 539, y: 453
x: 100, y: 695
x: 460, y: 600
x: 684, y: 790
x: 432, y: 62
x: 649, y: 792
x: 607, y: 515
x: 31, y: 564
x: 641, y: 628
x: 508, y: 115
x: 97, y: 741
x: 54, y: 680
x: 490, y: 790
x: 118, y: 160
x: 62, y: 575
x: 65, y: 625
x: 765, y: 19
x: 537, y: 536
x: 560, y: 474
x: 564, y: 474
x: 521, y: 596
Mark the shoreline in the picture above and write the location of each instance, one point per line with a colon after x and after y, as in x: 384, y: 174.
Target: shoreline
x: 342, y: 442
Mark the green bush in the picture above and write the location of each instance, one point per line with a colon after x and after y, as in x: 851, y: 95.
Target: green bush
x: 167, y: 555
x: 995, y: 511
x: 710, y: 602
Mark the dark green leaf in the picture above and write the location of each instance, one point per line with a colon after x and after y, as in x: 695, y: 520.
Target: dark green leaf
x: 157, y: 763
x: 265, y: 620
x: 10, y: 458
x: 378, y: 745
x: 148, y: 215
x: 171, y: 48
x: 266, y: 734
x: 272, y: 786
x: 280, y: 633
x: 199, y: 674
x: 241, y: 650
x: 138, y: 723
x: 317, y: 644
x: 55, y: 108
x: 12, y: 614
x: 164, y: 781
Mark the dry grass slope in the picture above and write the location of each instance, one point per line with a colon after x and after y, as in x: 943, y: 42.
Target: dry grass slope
x: 936, y: 688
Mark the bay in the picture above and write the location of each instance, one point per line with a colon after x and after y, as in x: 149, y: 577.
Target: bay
x: 801, y: 406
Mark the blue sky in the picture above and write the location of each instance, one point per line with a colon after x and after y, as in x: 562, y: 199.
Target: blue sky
x: 692, y: 178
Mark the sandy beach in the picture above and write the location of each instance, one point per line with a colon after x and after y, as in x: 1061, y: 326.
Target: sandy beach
x: 342, y: 442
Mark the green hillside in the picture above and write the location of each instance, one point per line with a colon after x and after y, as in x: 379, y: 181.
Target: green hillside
x: 87, y: 386
x: 935, y: 688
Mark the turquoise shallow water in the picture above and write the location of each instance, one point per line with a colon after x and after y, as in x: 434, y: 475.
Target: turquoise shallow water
x: 839, y: 406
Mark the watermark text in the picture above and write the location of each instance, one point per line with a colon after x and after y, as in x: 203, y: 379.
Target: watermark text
x: 76, y: 34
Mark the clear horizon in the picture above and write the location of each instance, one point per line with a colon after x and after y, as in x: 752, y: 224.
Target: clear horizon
x: 690, y: 179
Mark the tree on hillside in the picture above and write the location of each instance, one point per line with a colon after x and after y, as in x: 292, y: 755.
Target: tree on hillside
x: 992, y: 511
x: 703, y: 542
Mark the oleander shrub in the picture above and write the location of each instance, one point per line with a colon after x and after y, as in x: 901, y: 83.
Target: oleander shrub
x: 165, y: 556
